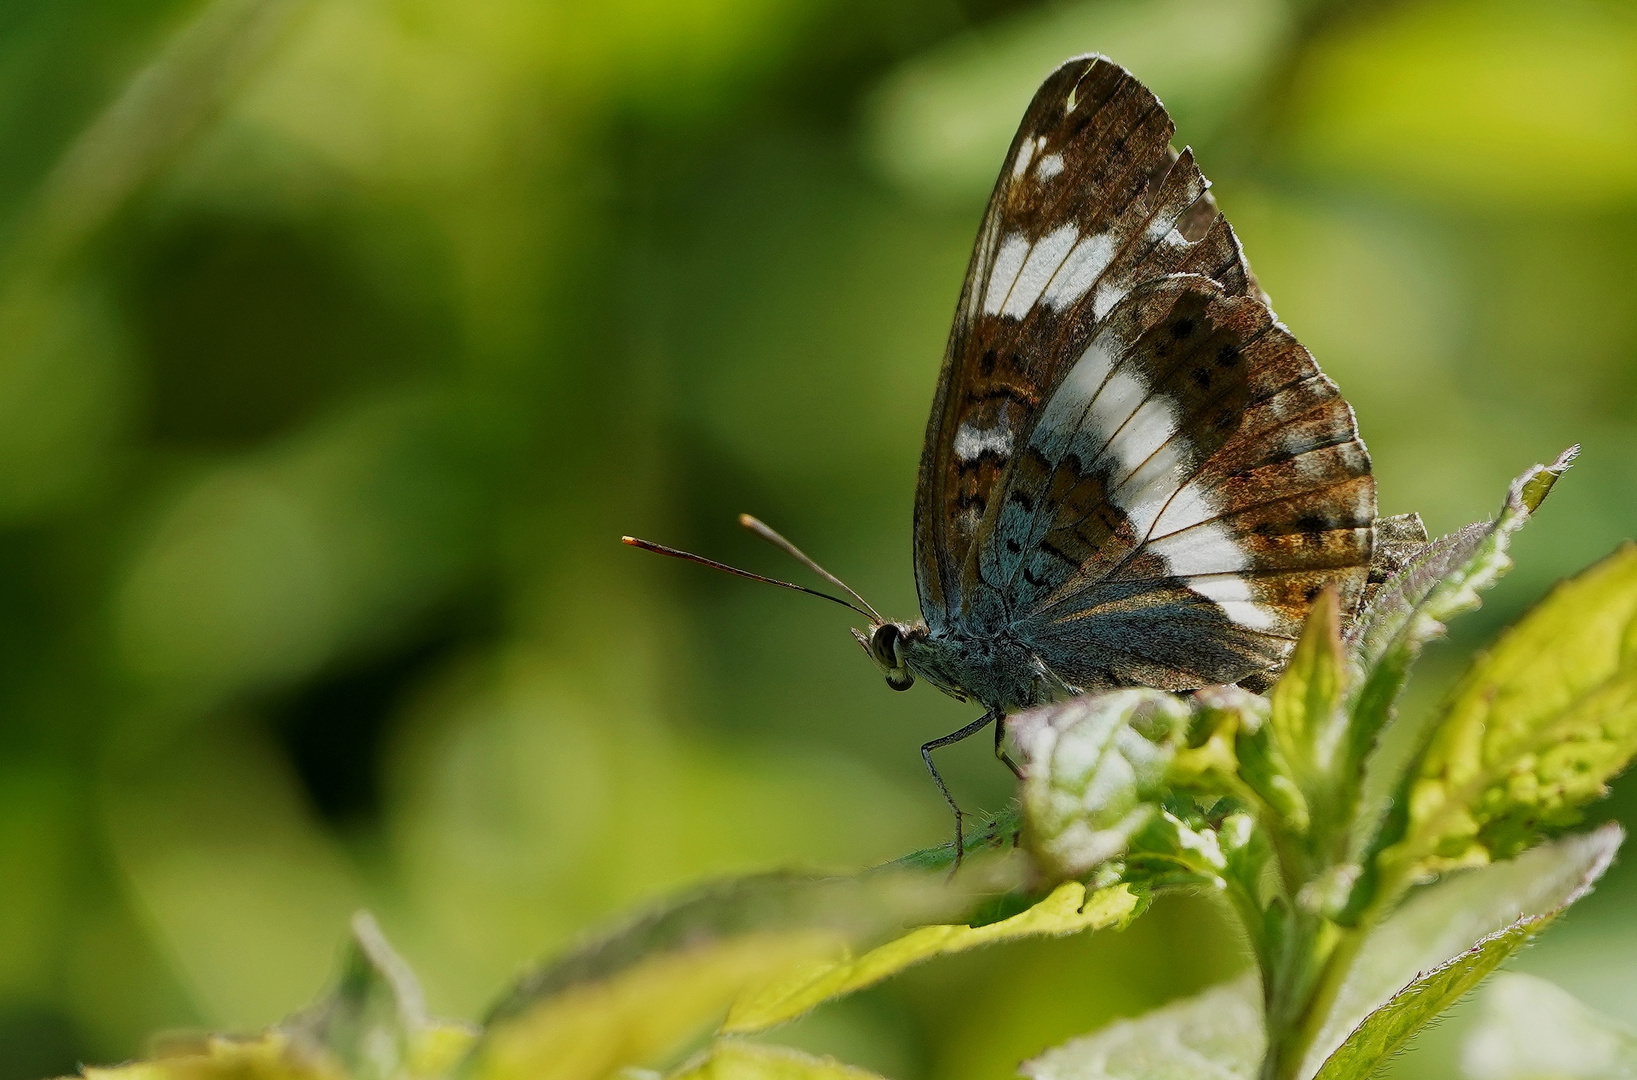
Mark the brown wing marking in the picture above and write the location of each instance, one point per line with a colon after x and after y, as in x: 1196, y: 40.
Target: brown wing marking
x: 1091, y: 202
x: 1161, y: 387
x: 1191, y: 484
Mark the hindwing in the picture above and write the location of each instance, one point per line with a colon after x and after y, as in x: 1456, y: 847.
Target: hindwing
x: 1191, y: 483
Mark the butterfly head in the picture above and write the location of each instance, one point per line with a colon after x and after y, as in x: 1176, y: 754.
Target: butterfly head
x: 888, y: 644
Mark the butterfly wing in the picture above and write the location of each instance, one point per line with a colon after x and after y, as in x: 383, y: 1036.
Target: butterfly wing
x: 1091, y: 202
x: 1190, y: 485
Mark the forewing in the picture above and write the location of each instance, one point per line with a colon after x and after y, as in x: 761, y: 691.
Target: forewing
x: 1191, y: 484
x: 1091, y: 202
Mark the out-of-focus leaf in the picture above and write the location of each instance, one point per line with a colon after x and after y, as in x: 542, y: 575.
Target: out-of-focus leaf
x: 1534, y: 730
x: 293, y: 554
x: 941, y: 124
x: 64, y: 391
x: 374, y: 1023
x: 164, y: 105
x: 1307, y: 696
x: 1504, y: 103
x: 1442, y: 942
x: 64, y: 383
x: 1530, y: 1029
x: 730, y: 1059
x: 269, y: 1058
x: 1068, y: 910
x: 1217, y: 1034
x: 1095, y: 768
x: 633, y: 996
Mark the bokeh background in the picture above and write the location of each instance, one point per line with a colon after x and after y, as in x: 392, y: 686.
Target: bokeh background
x: 341, y: 339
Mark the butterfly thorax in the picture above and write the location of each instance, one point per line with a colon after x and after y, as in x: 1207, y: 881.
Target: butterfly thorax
x: 995, y: 670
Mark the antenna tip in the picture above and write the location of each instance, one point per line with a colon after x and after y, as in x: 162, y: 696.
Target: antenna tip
x: 633, y: 541
x: 748, y: 521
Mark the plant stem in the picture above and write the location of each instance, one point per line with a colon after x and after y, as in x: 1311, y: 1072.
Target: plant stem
x: 1299, y: 974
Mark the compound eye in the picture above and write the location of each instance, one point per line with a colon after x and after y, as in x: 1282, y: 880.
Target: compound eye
x: 884, y: 644
x: 900, y: 679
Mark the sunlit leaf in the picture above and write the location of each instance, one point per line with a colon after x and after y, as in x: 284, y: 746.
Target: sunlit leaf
x: 1217, y: 1035
x: 1442, y: 942
x: 1534, y: 730
x: 1096, y: 768
x: 1530, y: 1029
x: 730, y: 1059
x: 1232, y: 751
x: 1307, y: 696
x: 1440, y: 581
x: 269, y: 1058
x: 638, y: 994
x: 1067, y: 910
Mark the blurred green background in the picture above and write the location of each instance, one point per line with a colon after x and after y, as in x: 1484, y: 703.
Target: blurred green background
x: 341, y: 339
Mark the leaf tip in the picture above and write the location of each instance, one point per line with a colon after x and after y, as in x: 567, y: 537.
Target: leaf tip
x: 1534, y: 485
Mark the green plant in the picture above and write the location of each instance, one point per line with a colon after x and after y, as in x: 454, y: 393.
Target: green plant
x: 1377, y: 880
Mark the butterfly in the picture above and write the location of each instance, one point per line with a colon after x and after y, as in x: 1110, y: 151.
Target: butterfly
x: 1133, y: 474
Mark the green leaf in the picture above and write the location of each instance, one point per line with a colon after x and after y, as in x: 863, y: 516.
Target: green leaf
x: 1443, y: 580
x: 999, y: 833
x: 1217, y: 1035
x: 1232, y: 752
x: 1306, y: 697
x: 1530, y: 1029
x: 1441, y: 943
x: 730, y: 1059
x: 372, y: 1026
x: 1533, y: 731
x: 1096, y: 770
x: 215, y: 1058
x: 639, y: 993
x: 374, y: 1023
x: 1068, y: 910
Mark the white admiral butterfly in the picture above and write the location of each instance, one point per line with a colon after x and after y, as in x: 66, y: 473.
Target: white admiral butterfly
x: 1133, y: 474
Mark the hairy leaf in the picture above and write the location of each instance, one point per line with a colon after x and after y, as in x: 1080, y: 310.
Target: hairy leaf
x: 1067, y: 910
x: 1231, y: 751
x: 1096, y: 770
x: 1442, y: 942
x: 730, y: 1059
x: 1216, y: 1035
x: 999, y: 833
x: 1534, y: 730
x: 1307, y: 695
x: 1530, y: 1029
x: 1442, y: 581
x: 642, y: 991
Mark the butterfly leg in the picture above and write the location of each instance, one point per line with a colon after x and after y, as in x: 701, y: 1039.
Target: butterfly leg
x: 991, y: 717
x: 1000, y: 747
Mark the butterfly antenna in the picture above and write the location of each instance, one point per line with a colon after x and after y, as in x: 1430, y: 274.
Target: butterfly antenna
x: 661, y: 549
x: 761, y: 529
